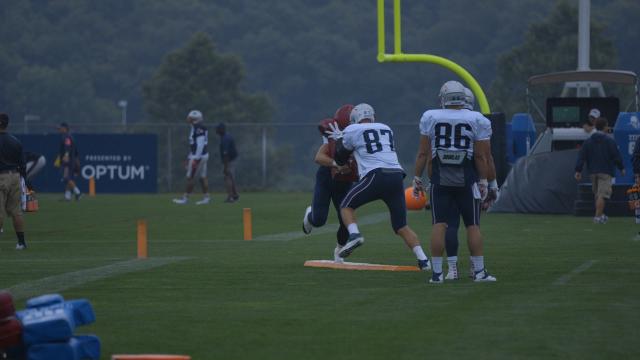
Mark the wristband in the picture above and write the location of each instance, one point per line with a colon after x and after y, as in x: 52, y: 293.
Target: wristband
x: 493, y: 184
x: 483, y: 182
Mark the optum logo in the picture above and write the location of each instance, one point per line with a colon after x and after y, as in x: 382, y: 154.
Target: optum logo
x: 121, y: 172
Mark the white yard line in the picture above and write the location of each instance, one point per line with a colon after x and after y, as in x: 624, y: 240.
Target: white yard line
x: 329, y: 228
x: 72, y: 279
x: 564, y: 279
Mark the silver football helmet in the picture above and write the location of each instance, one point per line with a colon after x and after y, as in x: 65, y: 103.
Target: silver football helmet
x: 469, y: 99
x: 195, y: 116
x: 452, y: 93
x: 361, y: 112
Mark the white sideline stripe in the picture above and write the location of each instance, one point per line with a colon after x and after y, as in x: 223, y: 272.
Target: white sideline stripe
x: 331, y: 228
x: 72, y: 279
x: 562, y: 280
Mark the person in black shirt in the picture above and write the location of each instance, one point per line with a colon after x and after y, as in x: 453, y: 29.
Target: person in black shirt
x: 11, y: 168
x: 228, y: 153
x: 601, y: 155
x: 69, y: 161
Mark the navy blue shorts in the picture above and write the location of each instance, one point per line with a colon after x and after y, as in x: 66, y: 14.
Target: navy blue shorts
x: 381, y: 184
x: 448, y: 203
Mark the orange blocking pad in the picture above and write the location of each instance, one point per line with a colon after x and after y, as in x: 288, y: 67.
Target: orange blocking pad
x: 357, y: 266
x: 150, y: 357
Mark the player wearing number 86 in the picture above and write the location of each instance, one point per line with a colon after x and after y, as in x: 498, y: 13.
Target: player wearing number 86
x: 381, y: 178
x: 455, y: 147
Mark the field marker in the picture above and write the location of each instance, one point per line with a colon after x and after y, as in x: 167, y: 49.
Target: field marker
x: 564, y: 279
x: 246, y: 222
x: 58, y: 283
x: 92, y: 186
x: 142, y: 239
x: 357, y: 266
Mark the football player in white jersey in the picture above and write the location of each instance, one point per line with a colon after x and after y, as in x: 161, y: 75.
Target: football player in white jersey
x: 197, y: 158
x: 451, y: 237
x: 381, y: 178
x: 455, y: 147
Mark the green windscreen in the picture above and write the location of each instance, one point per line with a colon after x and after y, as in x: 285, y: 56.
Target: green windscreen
x: 566, y: 114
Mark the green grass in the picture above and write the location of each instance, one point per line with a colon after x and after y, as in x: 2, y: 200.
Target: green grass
x: 235, y: 299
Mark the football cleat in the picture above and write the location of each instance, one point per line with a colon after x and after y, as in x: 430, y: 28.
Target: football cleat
x: 436, y: 278
x: 336, y: 255
x: 355, y: 240
x: 424, y: 265
x: 204, y: 201
x: 180, y: 201
x: 483, y: 276
x: 306, y: 224
x: 452, y: 273
x: 20, y: 246
x: 78, y: 196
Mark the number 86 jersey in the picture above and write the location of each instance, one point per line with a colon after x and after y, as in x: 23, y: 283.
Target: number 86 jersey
x: 372, y: 146
x: 453, y: 133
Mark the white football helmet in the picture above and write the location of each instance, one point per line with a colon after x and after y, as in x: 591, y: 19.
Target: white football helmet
x: 195, y: 116
x: 469, y: 99
x: 361, y: 112
x: 452, y: 93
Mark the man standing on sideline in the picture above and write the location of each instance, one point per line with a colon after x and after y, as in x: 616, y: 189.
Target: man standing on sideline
x: 11, y: 168
x: 69, y: 161
x: 228, y: 154
x: 588, y: 126
x: 601, y: 154
x: 381, y: 178
x: 455, y: 148
x: 197, y: 159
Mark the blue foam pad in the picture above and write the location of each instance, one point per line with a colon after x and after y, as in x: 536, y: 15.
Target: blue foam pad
x: 76, y: 348
x: 82, y: 311
x: 44, y: 300
x: 48, y: 324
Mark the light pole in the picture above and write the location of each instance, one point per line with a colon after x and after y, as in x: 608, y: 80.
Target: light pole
x: 123, y: 105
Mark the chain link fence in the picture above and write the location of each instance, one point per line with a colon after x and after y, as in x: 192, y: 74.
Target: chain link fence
x: 272, y: 156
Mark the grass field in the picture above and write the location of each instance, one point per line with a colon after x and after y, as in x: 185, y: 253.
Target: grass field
x: 567, y: 289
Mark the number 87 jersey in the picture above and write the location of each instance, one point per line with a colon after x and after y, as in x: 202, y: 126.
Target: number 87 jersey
x: 372, y: 146
x: 452, y: 133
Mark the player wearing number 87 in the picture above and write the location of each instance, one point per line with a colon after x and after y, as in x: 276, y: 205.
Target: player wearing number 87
x: 455, y: 148
x: 380, y: 178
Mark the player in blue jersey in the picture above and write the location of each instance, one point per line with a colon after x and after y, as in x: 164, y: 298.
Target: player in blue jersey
x: 456, y: 150
x: 197, y: 159
x: 332, y: 181
x: 381, y: 178
x: 69, y: 160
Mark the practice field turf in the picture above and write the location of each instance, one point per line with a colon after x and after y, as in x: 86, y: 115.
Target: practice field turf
x: 567, y: 289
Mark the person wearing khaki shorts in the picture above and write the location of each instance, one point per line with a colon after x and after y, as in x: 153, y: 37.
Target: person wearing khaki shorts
x: 601, y: 155
x: 11, y: 168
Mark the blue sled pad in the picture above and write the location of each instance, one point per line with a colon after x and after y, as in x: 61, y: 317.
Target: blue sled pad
x: 55, y: 322
x: 44, y: 300
x: 76, y: 348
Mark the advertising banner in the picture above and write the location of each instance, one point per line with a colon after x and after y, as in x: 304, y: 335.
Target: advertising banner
x: 119, y: 163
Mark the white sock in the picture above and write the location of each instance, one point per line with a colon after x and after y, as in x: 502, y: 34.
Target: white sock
x: 419, y: 252
x: 452, y: 261
x: 353, y: 228
x: 437, y: 264
x: 76, y: 190
x: 67, y: 195
x: 478, y: 263
x: 473, y: 268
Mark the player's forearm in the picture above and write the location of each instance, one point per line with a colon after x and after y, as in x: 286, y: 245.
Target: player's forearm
x: 421, y: 163
x: 322, y: 158
x: 492, y: 168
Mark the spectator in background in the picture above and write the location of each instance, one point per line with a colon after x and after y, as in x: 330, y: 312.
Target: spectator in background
x: 11, y: 168
x: 69, y: 161
x: 588, y: 126
x: 601, y: 154
x: 197, y: 159
x: 228, y: 154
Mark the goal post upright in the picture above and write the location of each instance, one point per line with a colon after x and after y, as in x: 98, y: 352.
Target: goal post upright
x: 399, y: 56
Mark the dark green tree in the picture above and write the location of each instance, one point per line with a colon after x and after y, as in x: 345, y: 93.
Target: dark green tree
x: 197, y: 77
x: 550, y: 45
